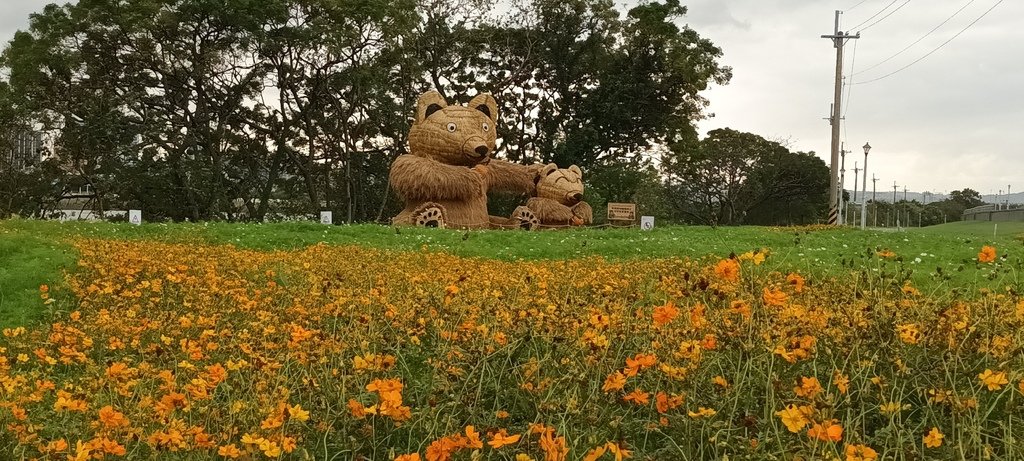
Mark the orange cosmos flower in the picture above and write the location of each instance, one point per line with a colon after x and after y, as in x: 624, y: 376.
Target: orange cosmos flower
x: 229, y: 451
x: 501, y: 438
x: 639, y: 362
x: 595, y: 453
x: 665, y: 314
x: 638, y: 397
x: 809, y: 387
x: 797, y: 281
x: 619, y: 451
x: 614, y: 382
x: 111, y: 418
x: 987, y: 254
x: 408, y: 457
x: 473, y: 438
x: 909, y: 333
x: 728, y: 270
x: 860, y: 453
x: 663, y: 402
x: 841, y: 381
x: 828, y: 431
x: 555, y: 448
x: 774, y: 297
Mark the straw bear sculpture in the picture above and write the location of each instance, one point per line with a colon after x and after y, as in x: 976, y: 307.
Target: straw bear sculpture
x: 445, y: 177
x: 559, y: 200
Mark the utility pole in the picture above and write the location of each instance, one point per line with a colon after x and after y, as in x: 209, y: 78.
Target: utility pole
x: 894, y: 186
x: 839, y: 39
x: 856, y: 172
x: 905, y: 205
x: 842, y: 184
x: 874, y: 204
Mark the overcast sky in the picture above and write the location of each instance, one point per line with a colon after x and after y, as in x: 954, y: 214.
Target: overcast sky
x: 953, y: 120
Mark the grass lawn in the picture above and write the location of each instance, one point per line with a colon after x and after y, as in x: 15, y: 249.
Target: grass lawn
x: 33, y: 253
x: 190, y: 341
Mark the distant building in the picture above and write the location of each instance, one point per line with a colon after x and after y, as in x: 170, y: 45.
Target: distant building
x: 26, y: 151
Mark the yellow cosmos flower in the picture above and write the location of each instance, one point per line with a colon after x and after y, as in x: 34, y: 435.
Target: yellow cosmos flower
x: 934, y: 438
x: 993, y: 380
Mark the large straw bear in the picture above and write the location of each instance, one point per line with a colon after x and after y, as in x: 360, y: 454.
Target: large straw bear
x: 559, y: 201
x: 445, y: 178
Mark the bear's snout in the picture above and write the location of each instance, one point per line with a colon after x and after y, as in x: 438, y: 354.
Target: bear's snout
x: 573, y: 198
x: 476, y: 149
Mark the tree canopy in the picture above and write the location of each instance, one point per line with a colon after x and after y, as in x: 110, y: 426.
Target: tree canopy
x: 229, y: 109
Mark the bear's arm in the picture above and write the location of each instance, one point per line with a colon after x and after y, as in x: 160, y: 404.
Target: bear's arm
x: 418, y: 179
x: 549, y: 211
x: 583, y: 211
x: 511, y: 177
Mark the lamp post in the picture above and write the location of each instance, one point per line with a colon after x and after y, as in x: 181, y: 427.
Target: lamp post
x: 864, y: 191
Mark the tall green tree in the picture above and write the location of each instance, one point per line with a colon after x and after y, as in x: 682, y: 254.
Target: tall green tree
x: 732, y: 177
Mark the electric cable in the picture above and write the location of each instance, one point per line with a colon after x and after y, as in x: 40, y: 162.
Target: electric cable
x: 884, y: 17
x: 922, y: 58
x: 874, y: 15
x: 861, y: 2
x: 962, y: 8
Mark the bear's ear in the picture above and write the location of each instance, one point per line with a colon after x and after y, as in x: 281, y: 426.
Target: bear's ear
x: 576, y: 169
x: 428, y: 103
x: 485, y: 103
x: 544, y: 171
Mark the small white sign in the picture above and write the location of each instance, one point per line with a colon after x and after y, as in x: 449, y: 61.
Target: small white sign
x: 135, y: 217
x: 647, y: 222
x: 326, y: 217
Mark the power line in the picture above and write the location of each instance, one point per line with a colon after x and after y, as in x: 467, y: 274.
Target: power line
x: 874, y: 15
x: 962, y: 8
x: 884, y: 17
x: 936, y: 49
x: 861, y: 2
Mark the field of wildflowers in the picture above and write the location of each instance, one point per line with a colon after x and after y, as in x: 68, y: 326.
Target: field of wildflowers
x: 199, y: 351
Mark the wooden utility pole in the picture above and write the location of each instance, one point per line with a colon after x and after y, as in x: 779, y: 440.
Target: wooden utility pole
x: 894, y: 208
x: 856, y: 173
x: 875, y: 204
x: 839, y: 39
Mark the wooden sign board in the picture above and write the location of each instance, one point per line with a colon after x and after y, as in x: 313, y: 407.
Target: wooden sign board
x: 622, y: 212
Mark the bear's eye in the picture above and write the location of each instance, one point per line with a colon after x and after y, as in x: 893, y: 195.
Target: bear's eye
x: 487, y: 128
x: 451, y: 127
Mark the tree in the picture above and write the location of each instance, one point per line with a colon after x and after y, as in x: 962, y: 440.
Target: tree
x: 732, y: 177
x: 967, y: 198
x: 222, y: 109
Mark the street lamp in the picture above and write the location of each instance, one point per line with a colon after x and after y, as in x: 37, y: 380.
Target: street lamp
x: 864, y: 191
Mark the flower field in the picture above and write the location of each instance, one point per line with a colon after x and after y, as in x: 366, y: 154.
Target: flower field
x: 202, y: 351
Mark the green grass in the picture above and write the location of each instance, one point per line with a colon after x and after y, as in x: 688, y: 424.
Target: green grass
x: 26, y: 262
x: 37, y: 252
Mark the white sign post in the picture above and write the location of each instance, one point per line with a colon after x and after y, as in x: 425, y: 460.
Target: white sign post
x: 326, y: 217
x: 135, y: 217
x: 647, y: 222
